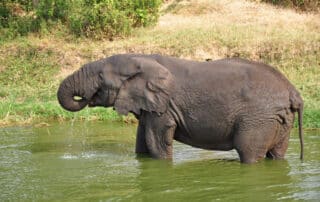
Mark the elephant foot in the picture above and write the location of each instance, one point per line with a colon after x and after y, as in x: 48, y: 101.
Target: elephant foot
x: 250, y: 157
x: 273, y: 154
x: 279, y: 150
x: 143, y: 155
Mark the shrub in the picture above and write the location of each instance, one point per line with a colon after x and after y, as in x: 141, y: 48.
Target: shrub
x: 19, y: 17
x: 97, y: 18
x: 53, y: 9
x: 91, y: 18
x: 14, y: 17
x: 304, y: 5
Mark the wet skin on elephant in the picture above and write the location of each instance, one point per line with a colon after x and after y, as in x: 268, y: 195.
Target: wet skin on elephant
x: 216, y: 105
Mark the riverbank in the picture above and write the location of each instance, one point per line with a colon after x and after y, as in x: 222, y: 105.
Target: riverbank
x: 32, y: 67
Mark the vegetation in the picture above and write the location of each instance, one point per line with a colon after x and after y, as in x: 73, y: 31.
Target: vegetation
x: 28, y: 87
x: 31, y: 67
x: 91, y: 18
x: 303, y: 5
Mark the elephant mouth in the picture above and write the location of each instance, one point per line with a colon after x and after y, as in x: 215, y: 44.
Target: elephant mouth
x: 91, y: 104
x: 98, y: 99
x: 103, y: 98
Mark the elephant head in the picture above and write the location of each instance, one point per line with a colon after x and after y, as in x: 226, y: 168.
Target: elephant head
x: 130, y: 83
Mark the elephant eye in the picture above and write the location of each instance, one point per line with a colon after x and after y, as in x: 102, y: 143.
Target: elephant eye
x: 77, y: 98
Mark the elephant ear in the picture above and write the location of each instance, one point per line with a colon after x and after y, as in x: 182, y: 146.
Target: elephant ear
x: 149, y: 87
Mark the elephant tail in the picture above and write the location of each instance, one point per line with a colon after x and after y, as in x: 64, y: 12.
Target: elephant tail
x: 300, y: 117
x: 297, y: 106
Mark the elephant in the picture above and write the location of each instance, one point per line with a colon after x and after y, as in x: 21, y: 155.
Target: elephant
x: 223, y: 104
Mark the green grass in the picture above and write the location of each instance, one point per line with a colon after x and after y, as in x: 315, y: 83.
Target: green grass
x: 32, y: 67
x: 28, y: 88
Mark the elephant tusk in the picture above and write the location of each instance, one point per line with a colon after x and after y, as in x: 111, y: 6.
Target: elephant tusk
x: 78, y: 98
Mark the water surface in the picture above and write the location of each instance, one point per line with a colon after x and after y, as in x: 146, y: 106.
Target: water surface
x: 96, y: 162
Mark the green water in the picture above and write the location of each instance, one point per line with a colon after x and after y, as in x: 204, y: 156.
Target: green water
x: 96, y: 162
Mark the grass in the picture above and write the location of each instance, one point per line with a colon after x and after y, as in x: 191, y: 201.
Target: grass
x: 32, y: 67
x: 29, y: 79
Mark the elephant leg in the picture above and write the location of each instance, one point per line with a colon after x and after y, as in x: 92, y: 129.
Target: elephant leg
x: 141, y: 145
x: 281, y: 145
x: 253, y: 141
x: 159, y: 133
x: 279, y: 150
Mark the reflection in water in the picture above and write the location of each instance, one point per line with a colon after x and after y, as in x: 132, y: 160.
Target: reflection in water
x: 213, y: 179
x: 96, y: 161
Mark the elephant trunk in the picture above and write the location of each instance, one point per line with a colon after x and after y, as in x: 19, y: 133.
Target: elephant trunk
x: 76, y: 90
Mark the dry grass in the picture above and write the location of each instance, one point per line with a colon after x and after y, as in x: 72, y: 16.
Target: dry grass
x: 203, y: 28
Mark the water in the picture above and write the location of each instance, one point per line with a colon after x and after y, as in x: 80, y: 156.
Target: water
x: 96, y: 162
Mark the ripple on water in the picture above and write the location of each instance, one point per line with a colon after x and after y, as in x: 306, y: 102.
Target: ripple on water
x: 96, y: 162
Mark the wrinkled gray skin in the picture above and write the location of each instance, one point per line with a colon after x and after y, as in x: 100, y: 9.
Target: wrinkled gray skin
x: 217, y: 105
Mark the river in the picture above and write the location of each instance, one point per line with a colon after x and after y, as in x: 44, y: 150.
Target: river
x: 95, y: 161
